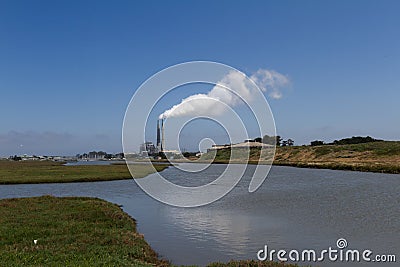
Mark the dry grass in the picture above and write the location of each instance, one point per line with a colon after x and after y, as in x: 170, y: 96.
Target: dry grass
x: 373, y: 157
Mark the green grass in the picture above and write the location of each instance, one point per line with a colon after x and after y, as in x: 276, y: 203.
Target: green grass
x: 386, y: 148
x: 31, y: 172
x: 77, y: 231
x: 74, y: 231
x: 323, y: 150
x: 379, y: 149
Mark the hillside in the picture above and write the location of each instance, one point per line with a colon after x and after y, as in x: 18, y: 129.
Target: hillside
x: 381, y: 156
x: 377, y: 156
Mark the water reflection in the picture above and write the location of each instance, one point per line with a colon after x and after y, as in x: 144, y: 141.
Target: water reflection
x: 293, y: 209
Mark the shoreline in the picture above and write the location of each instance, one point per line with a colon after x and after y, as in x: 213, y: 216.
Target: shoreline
x: 342, y: 167
x: 79, y: 231
x: 374, y: 167
x: 12, y: 173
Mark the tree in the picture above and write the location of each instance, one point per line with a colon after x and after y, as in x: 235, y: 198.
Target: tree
x: 317, y: 143
x: 16, y: 158
x: 258, y: 139
x: 355, y: 140
x: 290, y: 142
x: 284, y: 143
x: 279, y: 140
x: 120, y: 155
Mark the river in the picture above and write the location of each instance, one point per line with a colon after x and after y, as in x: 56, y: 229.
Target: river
x: 293, y: 209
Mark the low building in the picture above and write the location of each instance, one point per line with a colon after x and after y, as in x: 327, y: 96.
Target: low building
x: 246, y: 144
x: 216, y: 147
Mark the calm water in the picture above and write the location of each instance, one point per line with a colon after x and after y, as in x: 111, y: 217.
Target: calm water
x: 293, y: 209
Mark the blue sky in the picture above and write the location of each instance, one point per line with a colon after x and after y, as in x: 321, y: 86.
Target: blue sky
x: 69, y: 68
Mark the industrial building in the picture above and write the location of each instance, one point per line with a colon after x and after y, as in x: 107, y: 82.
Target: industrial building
x: 160, y: 135
x: 148, y: 148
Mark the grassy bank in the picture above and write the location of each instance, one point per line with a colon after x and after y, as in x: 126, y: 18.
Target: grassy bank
x: 70, y: 232
x: 372, y: 157
x: 77, y: 231
x: 31, y: 172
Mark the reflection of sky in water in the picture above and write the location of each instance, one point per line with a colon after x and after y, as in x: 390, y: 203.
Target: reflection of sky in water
x: 293, y: 209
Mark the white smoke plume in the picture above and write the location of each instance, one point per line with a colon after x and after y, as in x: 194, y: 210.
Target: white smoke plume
x: 269, y: 81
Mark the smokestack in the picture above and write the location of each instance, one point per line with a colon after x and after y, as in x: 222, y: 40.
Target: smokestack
x: 158, y: 136
x: 162, y: 135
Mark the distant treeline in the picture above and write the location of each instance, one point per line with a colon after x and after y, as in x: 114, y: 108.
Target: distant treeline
x: 347, y: 141
x: 278, y: 141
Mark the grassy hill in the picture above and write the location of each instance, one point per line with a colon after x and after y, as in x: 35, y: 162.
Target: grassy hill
x: 381, y: 156
x: 377, y: 156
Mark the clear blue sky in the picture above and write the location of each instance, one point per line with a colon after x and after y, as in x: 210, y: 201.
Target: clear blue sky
x: 69, y: 68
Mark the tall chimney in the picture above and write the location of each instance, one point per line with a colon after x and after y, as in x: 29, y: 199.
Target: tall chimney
x: 162, y: 135
x: 158, y: 136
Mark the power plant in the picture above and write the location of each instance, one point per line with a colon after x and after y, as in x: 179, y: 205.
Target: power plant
x: 158, y: 144
x: 148, y: 149
x: 160, y: 136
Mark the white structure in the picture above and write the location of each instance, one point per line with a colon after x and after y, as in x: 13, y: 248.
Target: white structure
x: 246, y: 144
